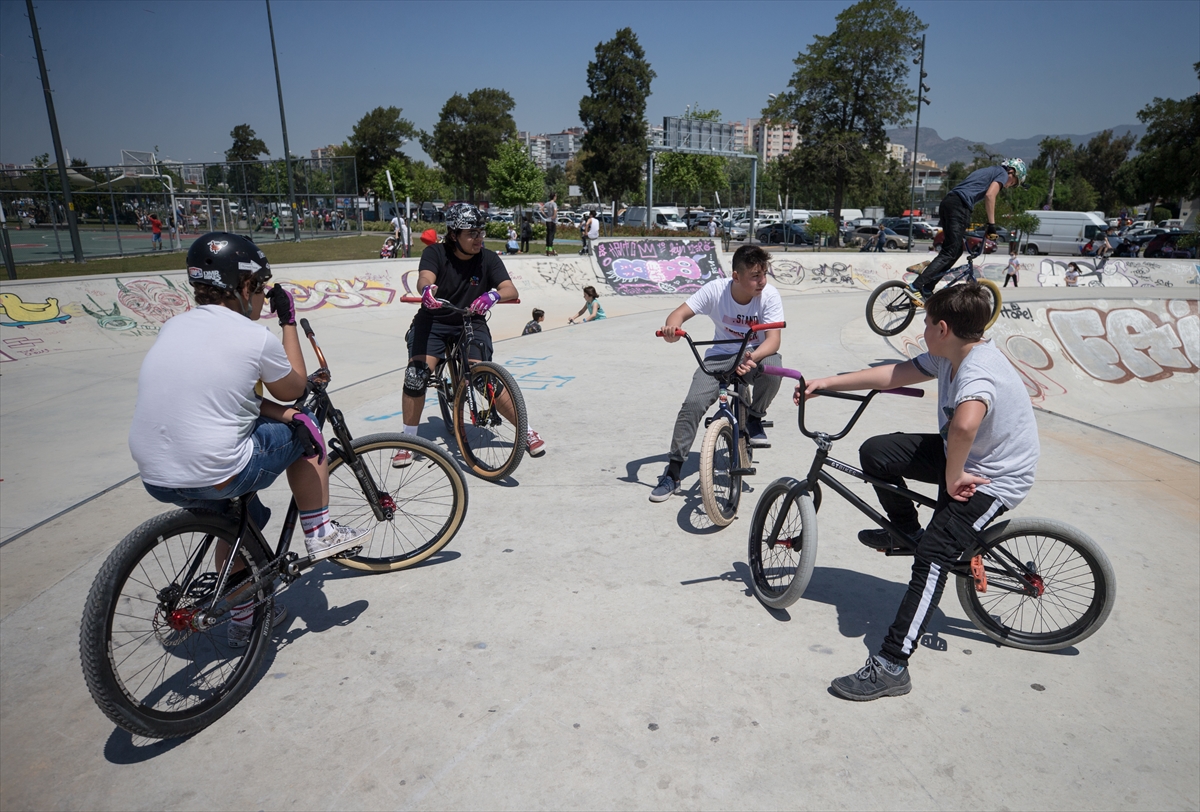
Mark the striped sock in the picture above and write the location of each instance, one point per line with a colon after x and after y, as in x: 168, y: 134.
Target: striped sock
x: 316, y: 523
x: 243, y: 613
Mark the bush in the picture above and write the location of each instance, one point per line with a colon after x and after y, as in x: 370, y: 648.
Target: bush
x: 1161, y: 214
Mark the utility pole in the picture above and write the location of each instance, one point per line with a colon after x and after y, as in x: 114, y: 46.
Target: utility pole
x: 72, y: 223
x: 287, y: 153
x: 922, y: 89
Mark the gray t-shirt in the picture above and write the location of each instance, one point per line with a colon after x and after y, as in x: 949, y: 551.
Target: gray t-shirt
x: 550, y: 212
x: 976, y: 184
x: 1006, y: 447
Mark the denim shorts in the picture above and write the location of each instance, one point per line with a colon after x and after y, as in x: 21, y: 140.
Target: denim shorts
x: 275, y: 448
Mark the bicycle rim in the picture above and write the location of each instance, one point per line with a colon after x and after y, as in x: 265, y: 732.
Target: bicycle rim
x: 1076, y: 578
x: 146, y: 669
x: 428, y: 500
x: 890, y: 309
x: 490, y: 443
x: 783, y: 543
x: 720, y: 488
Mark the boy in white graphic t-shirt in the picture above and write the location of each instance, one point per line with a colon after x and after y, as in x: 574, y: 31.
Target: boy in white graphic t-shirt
x: 731, y: 304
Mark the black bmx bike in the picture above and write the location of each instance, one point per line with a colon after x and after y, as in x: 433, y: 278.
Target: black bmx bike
x: 726, y: 456
x: 1029, y: 583
x: 154, y: 642
x: 481, y: 404
x: 892, y: 306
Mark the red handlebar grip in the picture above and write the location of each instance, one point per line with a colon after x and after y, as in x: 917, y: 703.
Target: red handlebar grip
x: 679, y: 333
x: 775, y: 325
x: 411, y: 299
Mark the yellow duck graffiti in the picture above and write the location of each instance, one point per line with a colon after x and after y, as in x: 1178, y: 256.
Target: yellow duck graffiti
x: 21, y: 313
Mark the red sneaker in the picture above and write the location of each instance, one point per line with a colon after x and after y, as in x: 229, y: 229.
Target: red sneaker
x: 534, y: 444
x: 403, y: 458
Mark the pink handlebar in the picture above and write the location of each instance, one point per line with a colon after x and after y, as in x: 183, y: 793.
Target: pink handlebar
x: 783, y: 372
x: 417, y: 300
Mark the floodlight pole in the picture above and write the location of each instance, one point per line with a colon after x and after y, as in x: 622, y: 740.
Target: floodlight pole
x: 72, y: 224
x: 287, y: 153
x: 912, y: 192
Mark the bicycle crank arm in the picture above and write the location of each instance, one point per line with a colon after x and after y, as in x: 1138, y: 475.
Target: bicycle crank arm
x: 743, y: 471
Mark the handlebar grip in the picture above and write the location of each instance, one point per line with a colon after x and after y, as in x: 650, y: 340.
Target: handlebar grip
x: 907, y: 391
x: 411, y: 299
x: 782, y: 372
x: 304, y: 325
x: 775, y: 325
x: 680, y: 333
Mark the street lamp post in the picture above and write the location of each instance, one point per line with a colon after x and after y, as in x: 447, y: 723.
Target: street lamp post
x: 287, y: 153
x: 922, y: 89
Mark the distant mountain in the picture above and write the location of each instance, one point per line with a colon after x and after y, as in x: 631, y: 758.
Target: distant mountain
x: 946, y: 151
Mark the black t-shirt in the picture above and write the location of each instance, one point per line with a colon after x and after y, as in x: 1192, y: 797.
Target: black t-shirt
x: 459, y: 281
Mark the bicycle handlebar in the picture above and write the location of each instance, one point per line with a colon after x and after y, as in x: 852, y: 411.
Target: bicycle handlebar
x: 783, y: 372
x: 417, y: 300
x: 743, y: 342
x: 308, y: 331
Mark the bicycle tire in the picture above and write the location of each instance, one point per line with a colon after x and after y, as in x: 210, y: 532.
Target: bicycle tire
x: 997, y: 301
x: 445, y: 395
x: 1079, y: 587
x: 491, y: 446
x: 720, y: 489
x: 779, y: 573
x: 428, y: 497
x: 890, y: 309
x: 126, y: 639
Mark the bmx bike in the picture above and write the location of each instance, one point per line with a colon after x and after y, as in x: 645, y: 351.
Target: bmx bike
x: 726, y: 455
x: 1029, y: 583
x: 892, y: 306
x: 153, y: 642
x: 481, y: 404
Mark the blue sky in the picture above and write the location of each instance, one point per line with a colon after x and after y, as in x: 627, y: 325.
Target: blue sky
x: 180, y: 75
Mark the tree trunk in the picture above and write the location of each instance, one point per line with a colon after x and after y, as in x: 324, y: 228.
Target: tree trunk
x: 1050, y: 197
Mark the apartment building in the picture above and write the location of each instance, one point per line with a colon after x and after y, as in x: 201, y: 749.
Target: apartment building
x: 770, y: 142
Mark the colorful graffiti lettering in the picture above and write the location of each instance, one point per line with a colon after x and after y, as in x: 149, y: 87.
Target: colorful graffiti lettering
x: 635, y: 267
x: 1130, y: 342
x: 339, y: 293
x: 23, y: 314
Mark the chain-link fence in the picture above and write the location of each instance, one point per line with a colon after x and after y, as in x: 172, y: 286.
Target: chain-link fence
x: 140, y: 208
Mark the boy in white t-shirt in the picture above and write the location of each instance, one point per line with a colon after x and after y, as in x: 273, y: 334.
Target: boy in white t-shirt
x: 200, y: 434
x: 731, y: 304
x: 983, y: 461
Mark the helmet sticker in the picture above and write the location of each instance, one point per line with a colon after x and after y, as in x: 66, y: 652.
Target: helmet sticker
x: 216, y: 245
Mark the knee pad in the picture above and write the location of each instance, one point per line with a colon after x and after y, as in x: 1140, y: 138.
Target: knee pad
x: 416, y: 378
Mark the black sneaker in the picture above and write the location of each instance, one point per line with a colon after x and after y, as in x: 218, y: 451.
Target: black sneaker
x: 879, y: 539
x: 756, y: 435
x: 872, y: 681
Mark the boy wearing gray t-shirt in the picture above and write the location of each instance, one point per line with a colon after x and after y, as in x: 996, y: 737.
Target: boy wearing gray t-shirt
x: 983, y: 460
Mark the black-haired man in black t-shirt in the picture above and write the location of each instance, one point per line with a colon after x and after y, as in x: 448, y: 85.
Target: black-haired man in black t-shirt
x: 465, y: 274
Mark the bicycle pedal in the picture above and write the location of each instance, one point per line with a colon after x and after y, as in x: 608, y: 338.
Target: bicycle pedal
x: 744, y: 471
x: 349, y: 552
x: 758, y: 445
x: 899, y: 551
x: 978, y: 574
x: 768, y: 424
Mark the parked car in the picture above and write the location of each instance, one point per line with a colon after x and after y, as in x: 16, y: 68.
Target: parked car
x: 920, y: 229
x: 735, y: 232
x: 1166, y: 246
x: 869, y: 233
x: 779, y: 233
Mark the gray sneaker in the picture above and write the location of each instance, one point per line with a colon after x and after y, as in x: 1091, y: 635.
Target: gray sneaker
x: 666, y: 488
x: 342, y: 538
x: 872, y: 681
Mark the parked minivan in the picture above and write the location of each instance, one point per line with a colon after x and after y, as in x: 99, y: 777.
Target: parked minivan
x: 1062, y: 232
x: 666, y: 217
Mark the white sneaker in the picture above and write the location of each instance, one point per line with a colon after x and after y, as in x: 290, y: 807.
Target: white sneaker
x: 342, y: 538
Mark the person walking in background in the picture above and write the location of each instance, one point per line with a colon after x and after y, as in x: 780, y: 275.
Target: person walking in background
x: 589, y: 230
x: 405, y: 237
x: 526, y: 232
x: 275, y: 224
x: 712, y: 228
x: 591, y: 305
x: 550, y: 218
x: 1014, y: 266
x: 881, y: 240
x: 535, y: 326
x: 155, y: 232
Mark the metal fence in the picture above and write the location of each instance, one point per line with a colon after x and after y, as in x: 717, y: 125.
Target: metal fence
x: 117, y: 206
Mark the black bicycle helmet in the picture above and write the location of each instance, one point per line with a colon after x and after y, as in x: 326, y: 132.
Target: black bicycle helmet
x: 463, y: 216
x: 219, y: 259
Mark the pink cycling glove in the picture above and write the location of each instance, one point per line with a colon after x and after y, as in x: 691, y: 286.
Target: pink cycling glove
x: 429, y: 298
x: 484, y: 303
x: 305, y: 423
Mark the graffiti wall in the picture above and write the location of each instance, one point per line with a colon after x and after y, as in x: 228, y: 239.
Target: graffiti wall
x: 657, y: 266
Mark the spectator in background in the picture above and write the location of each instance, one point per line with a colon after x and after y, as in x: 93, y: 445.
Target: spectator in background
x: 712, y: 227
x: 590, y: 230
x: 155, y: 232
x: 275, y: 224
x: 1014, y: 266
x: 535, y: 326
x: 405, y: 237
x: 550, y: 218
x: 1072, y: 275
x: 526, y: 232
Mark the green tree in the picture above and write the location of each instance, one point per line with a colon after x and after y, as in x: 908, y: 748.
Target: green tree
x: 614, y: 113
x: 1051, y: 153
x: 425, y: 183
x: 246, y: 145
x: 1169, y: 163
x: 376, y: 141
x: 401, y: 180
x: 1076, y: 194
x: 1022, y: 225
x: 513, y: 177
x: 1098, y: 162
x: 821, y: 227
x: 556, y: 181
x: 468, y: 133
x: 849, y: 86
x: 956, y: 173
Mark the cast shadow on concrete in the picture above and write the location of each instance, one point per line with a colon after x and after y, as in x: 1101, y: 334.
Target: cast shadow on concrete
x: 435, y: 430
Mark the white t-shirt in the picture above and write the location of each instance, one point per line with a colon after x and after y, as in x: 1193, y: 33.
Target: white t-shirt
x: 593, y: 231
x: 196, y: 405
x: 1006, y: 447
x: 730, y: 318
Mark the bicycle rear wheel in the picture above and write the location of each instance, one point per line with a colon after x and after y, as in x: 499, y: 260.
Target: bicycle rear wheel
x: 146, y: 667
x: 997, y: 301
x: 491, y: 444
x: 445, y: 395
x: 1076, y: 580
x: 890, y: 309
x: 428, y: 500
x: 720, y: 488
x: 783, y: 543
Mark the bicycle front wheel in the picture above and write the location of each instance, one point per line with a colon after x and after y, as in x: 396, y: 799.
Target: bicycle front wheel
x: 997, y: 301
x: 783, y: 543
x: 720, y: 488
x: 890, y: 308
x: 1073, y: 575
x: 490, y: 421
x: 427, y: 500
x: 148, y: 669
x: 445, y: 395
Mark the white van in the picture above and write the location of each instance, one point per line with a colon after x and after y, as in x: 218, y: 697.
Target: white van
x: 666, y: 217
x: 1062, y: 232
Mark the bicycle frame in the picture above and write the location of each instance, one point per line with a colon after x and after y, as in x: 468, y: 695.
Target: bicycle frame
x: 957, y: 274
x: 818, y: 473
